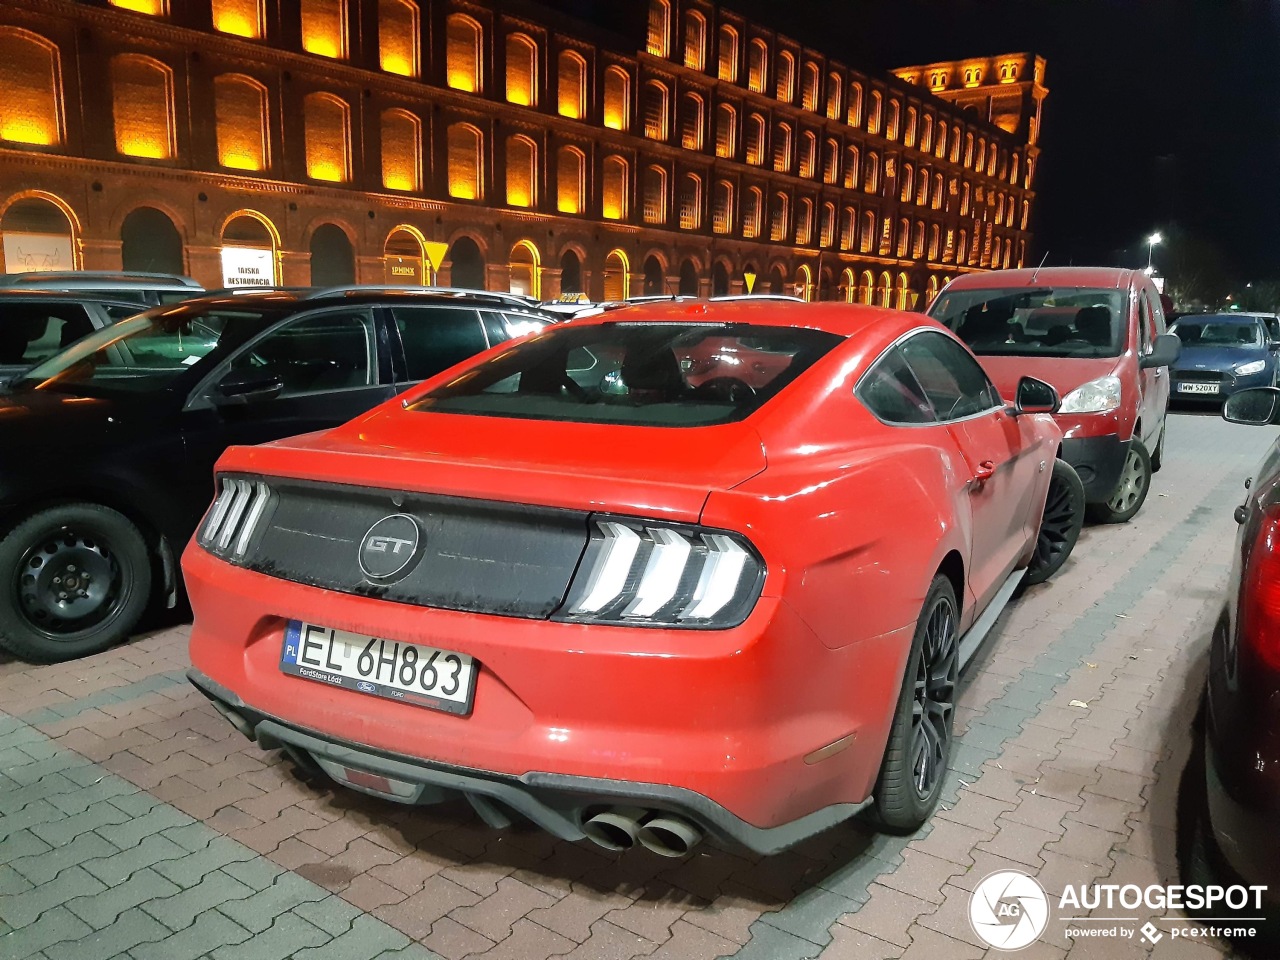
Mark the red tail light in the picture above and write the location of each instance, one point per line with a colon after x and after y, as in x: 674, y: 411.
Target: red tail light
x: 1260, y: 599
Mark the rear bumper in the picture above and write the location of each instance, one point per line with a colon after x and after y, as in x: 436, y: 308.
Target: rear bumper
x: 1098, y: 461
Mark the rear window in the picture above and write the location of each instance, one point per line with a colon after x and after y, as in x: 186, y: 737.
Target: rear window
x: 1218, y: 333
x: 1036, y: 322
x: 643, y: 374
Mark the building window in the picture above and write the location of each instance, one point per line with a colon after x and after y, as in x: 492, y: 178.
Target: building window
x: 466, y: 162
x: 324, y: 28
x: 656, y: 110
x: 615, y: 188
x: 401, y: 150
x: 855, y: 105
x: 848, y: 228
x: 906, y: 181
x: 868, y: 237
x: 572, y: 99
x: 922, y: 188
x: 617, y: 96
x: 726, y: 130
x: 522, y: 70
x: 522, y: 172
x: 940, y: 145
x: 871, y: 178
x: 30, y: 75
x: 240, y: 18
x: 655, y: 195
x: 874, y: 114
x: 659, y: 28
x: 786, y: 87
x: 695, y: 40
x: 913, y: 121
x: 693, y: 123
x: 398, y: 37
x: 142, y: 103
x: 571, y: 180
x: 968, y: 150
x: 937, y: 191
x: 690, y: 202
x: 964, y: 200
x: 782, y: 147
x: 834, y: 86
x: 812, y: 87
x: 728, y: 66
x: 326, y: 119
x: 463, y: 57
x: 827, y: 231
x: 780, y: 217
x: 722, y: 208
x: 752, y: 213
x: 895, y: 113
x: 154, y: 8
x: 757, y: 65
x: 851, y: 168
x: 240, y: 122
x: 808, y: 154
x: 917, y: 246
x: 935, y: 233
x: 831, y: 161
x: 926, y: 133
x: 755, y: 139
x: 804, y: 222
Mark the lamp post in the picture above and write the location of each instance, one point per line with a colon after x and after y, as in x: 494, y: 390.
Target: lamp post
x: 1151, y: 246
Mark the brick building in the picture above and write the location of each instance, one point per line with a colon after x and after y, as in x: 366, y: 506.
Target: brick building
x: 330, y: 141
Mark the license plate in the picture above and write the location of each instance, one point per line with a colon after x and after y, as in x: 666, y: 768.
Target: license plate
x: 408, y: 672
x: 1197, y: 388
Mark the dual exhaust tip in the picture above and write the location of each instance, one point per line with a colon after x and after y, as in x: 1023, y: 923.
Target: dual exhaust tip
x: 621, y: 828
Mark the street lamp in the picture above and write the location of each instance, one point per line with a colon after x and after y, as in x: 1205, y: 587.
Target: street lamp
x: 1151, y: 246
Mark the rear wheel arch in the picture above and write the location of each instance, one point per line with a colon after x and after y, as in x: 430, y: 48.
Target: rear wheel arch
x: 952, y: 567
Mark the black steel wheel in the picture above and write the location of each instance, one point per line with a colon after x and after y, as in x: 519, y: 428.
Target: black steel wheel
x: 78, y: 578
x: 1059, y: 524
x: 919, y: 748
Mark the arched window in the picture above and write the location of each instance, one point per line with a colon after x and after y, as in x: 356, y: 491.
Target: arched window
x: 786, y: 86
x: 855, y: 105
x: 852, y: 167
x: 991, y: 159
x: 962, y: 248
x: 617, y: 99
x: 690, y: 202
x: 848, y: 228
x: 808, y: 154
x: 891, y: 127
x: 240, y: 18
x: 811, y: 87
x: 782, y: 147
x: 834, y: 87
x: 964, y: 200
x: 757, y: 65
x: 657, y: 110
x: 571, y: 180
x: 142, y: 103
x: 659, y: 43
x: 464, y: 57
x: 728, y: 65
x: 755, y: 139
x: 240, y: 122
x: 655, y: 195
x: 401, y: 150
x: 695, y: 40
x: 522, y: 172
x: 831, y: 161
x: 466, y: 162
x: 525, y: 266
x: 926, y: 133
x: 617, y: 279
x: 934, y: 238
x: 150, y: 241
x: 940, y: 147
x: 780, y: 217
x: 905, y: 182
x: 827, y: 229
x: 692, y: 123
x: 871, y: 171
x: 937, y: 191
x: 922, y: 188
x: 398, y: 37
x: 884, y: 290
x: 154, y: 8
x: 752, y: 213
x: 722, y: 207
x: 572, y: 100
x: 997, y: 248
x: 726, y: 130
x: 31, y: 77
x: 324, y: 28
x: 326, y: 119
x: 913, y: 125
x: 968, y: 150
x: 615, y: 188
x: 866, y: 286
x: 522, y: 70
x: 955, y: 145
x: 980, y: 159
x: 804, y: 222
x: 868, y: 237
x: 875, y: 113
x: 917, y: 240
x: 1013, y: 170
x: 930, y: 291
x: 1026, y: 214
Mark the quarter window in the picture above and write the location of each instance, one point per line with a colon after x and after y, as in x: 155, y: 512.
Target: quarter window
x: 435, y: 338
x: 891, y: 391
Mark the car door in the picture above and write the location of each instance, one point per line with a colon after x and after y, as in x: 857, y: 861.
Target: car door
x: 1153, y: 382
x: 998, y: 451
x: 432, y: 338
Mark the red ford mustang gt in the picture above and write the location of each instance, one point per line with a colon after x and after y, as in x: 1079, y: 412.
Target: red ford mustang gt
x: 595, y: 581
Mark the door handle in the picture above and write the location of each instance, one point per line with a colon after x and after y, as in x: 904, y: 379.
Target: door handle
x: 986, y: 469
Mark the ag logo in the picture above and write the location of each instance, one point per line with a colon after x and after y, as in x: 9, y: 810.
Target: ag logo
x: 1009, y: 910
x: 389, y: 547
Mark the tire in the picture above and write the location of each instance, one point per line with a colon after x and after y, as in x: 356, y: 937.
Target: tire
x: 1131, y: 491
x: 1060, y: 524
x: 915, y: 759
x: 1157, y: 458
x: 109, y: 566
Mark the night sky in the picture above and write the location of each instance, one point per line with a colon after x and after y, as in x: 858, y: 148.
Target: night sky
x: 1162, y: 114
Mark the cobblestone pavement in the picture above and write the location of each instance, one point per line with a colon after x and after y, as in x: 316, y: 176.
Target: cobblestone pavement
x: 135, y: 823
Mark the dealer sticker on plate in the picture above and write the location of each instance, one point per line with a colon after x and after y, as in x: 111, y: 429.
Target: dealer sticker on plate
x: 409, y: 672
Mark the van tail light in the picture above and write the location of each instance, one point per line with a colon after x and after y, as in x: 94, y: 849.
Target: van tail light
x: 1260, y: 599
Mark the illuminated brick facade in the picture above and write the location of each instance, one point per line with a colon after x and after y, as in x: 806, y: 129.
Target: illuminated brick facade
x: 348, y: 139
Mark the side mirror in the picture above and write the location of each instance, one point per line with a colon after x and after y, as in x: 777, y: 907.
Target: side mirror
x: 241, y: 387
x: 1163, y: 352
x: 1255, y: 407
x: 1035, y: 396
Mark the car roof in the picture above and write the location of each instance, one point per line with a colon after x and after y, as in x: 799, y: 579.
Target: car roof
x: 129, y: 279
x: 844, y: 319
x: 306, y: 298
x: 39, y: 295
x: 1117, y: 277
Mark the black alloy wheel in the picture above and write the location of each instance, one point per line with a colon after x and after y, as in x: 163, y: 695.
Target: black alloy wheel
x: 79, y: 578
x: 1059, y: 524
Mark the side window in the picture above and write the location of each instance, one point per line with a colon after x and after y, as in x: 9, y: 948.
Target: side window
x: 495, y: 328
x: 891, y: 391
x: 32, y: 333
x: 435, y: 338
x: 1273, y: 327
x: 1146, y: 324
x: 1157, y: 315
x: 319, y: 353
x: 951, y: 378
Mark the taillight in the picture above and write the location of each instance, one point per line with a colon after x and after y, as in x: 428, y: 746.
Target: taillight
x: 655, y: 574
x: 1260, y: 597
x: 235, y: 516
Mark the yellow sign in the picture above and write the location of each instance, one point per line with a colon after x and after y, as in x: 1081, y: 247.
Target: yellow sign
x: 435, y: 252
x: 750, y: 280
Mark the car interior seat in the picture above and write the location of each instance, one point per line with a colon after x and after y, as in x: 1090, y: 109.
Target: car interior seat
x: 653, y: 371
x: 1093, y: 325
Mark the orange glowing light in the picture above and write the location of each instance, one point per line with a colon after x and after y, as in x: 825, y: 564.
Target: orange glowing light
x: 463, y: 187
x: 154, y: 8
x: 147, y: 147
x: 235, y: 24
x: 325, y: 170
x: 395, y: 181
x: 397, y: 64
x: 27, y: 130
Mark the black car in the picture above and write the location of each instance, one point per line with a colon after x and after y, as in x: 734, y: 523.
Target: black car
x: 36, y: 324
x: 110, y: 444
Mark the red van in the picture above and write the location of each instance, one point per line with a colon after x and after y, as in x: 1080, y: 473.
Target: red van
x: 1098, y: 335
